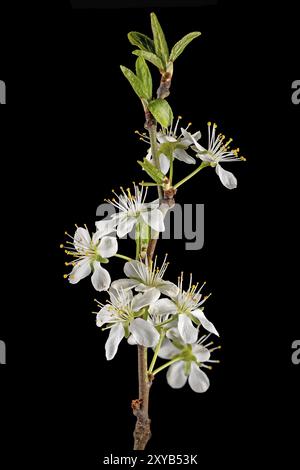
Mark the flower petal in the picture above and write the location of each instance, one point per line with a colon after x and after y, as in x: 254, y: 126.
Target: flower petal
x: 82, y: 239
x: 198, y: 313
x: 192, y: 138
x: 227, y: 179
x: 186, y: 329
x: 125, y: 226
x: 105, y: 227
x: 183, y: 156
x: 167, y: 350
x: 168, y: 288
x: 176, y: 377
x: 163, y: 307
x: 164, y: 163
x: 142, y: 300
x: 187, y: 140
x: 136, y: 270
x: 155, y: 219
x: 104, y: 316
x: 124, y: 284
x: 108, y: 247
x: 115, y: 337
x: 81, y: 269
x: 201, y: 353
x: 198, y: 380
x: 144, y: 333
x: 100, y: 278
x: 131, y: 341
x: 162, y: 138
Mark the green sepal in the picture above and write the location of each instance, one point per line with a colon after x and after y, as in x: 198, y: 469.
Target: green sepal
x: 126, y: 330
x: 152, y: 171
x: 162, y: 111
x: 160, y: 43
x: 181, y: 45
x: 151, y: 58
x: 144, y: 75
x: 167, y: 148
x: 142, y: 41
x: 101, y: 260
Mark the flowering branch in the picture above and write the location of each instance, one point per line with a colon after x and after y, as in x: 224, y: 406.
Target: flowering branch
x: 144, y: 308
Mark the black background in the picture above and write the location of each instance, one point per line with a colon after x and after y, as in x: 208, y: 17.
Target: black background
x: 70, y: 138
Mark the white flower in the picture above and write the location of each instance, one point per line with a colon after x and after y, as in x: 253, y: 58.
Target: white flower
x: 186, y: 304
x: 89, y: 253
x: 183, y: 142
x: 194, y: 357
x: 145, y: 276
x: 218, y: 152
x: 133, y: 210
x: 121, y: 315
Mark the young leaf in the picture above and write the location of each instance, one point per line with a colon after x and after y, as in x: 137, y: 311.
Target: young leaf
x: 143, y: 73
x: 162, y: 111
x: 152, y: 171
x: 151, y: 58
x: 142, y: 41
x: 160, y: 43
x: 181, y: 45
x: 134, y: 81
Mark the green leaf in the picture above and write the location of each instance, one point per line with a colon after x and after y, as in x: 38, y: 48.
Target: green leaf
x: 134, y: 81
x: 144, y: 75
x: 142, y: 41
x: 150, y: 57
x: 152, y: 171
x: 181, y: 45
x: 160, y: 43
x: 162, y: 111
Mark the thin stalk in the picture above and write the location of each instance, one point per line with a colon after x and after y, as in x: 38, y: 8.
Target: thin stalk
x: 171, y: 170
x: 118, y: 255
x: 154, y: 150
x: 162, y: 335
x: 138, y: 240
x: 184, y: 180
x: 167, y: 364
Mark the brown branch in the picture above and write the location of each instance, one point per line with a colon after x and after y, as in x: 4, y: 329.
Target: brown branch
x: 140, y: 407
x: 165, y: 85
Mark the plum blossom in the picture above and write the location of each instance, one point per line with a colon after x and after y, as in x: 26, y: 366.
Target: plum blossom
x: 121, y: 315
x: 186, y: 305
x: 132, y: 210
x: 181, y: 144
x: 191, y: 359
x: 216, y: 153
x: 143, y: 276
x: 88, y: 253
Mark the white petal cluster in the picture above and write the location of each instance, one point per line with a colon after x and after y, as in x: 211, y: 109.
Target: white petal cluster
x: 218, y: 151
x: 192, y: 358
x: 122, y: 315
x: 88, y: 253
x: 160, y: 310
x: 132, y: 210
x: 181, y: 142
